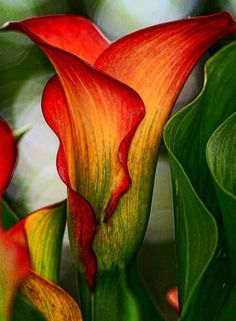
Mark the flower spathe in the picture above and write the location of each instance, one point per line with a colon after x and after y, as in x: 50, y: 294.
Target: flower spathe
x: 8, y: 155
x: 106, y: 143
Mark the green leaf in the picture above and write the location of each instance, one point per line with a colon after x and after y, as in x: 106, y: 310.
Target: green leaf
x: 119, y: 294
x: 221, y: 151
x: 9, y: 217
x: 24, y: 311
x: 204, y: 282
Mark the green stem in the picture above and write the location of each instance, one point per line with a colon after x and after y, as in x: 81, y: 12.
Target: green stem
x: 119, y: 295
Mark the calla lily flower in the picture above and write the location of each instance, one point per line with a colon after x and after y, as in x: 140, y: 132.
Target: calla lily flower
x: 108, y: 104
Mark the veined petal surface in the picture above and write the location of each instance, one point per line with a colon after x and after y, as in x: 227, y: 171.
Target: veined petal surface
x: 51, y: 300
x: 155, y: 62
x: 73, y: 34
x: 40, y: 235
x: 95, y: 118
x: 95, y: 123
x: 41, y: 232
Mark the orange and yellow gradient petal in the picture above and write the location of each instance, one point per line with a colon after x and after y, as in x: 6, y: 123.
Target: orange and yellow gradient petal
x: 95, y: 118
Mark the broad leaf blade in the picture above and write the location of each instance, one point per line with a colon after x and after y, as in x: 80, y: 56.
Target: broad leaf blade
x: 186, y: 136
x: 24, y: 311
x: 9, y: 217
x: 221, y: 151
x: 195, y: 227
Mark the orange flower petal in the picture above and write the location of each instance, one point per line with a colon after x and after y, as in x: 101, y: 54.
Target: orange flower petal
x: 41, y: 234
x: 51, y: 300
x: 8, y: 154
x: 73, y: 34
x: 172, y: 298
x: 95, y: 128
x: 156, y: 62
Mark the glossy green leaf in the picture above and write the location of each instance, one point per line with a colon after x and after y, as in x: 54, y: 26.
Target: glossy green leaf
x: 221, y: 151
x: 204, y: 282
x: 24, y: 311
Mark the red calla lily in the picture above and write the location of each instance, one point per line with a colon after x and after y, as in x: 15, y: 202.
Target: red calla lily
x: 97, y: 113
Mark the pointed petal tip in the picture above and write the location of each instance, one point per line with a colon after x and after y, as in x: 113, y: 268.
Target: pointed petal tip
x: 11, y: 26
x: 5, y: 25
x: 172, y: 299
x: 83, y: 38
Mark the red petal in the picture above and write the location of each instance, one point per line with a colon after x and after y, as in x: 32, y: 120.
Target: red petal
x: 73, y: 34
x: 53, y: 302
x: 172, y: 298
x: 15, y: 251
x: 95, y: 118
x: 14, y: 268
x: 8, y: 154
x: 156, y: 62
x: 106, y: 107
x: 82, y: 229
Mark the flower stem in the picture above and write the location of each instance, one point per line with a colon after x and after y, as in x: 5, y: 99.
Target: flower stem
x: 117, y: 296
